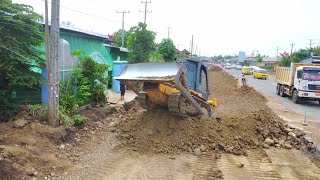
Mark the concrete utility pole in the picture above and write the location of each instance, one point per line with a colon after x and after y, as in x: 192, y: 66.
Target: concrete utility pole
x: 191, y: 46
x: 47, y: 36
x: 169, y: 32
x: 145, y: 10
x: 277, y: 54
x: 123, y: 12
x: 291, y: 49
x: 53, y: 84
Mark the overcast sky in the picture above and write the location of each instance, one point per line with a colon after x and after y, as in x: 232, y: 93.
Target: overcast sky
x: 218, y: 26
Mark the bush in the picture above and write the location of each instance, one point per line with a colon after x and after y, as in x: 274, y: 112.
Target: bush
x: 87, y: 84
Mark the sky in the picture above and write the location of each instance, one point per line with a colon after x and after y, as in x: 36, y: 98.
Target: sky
x: 218, y: 26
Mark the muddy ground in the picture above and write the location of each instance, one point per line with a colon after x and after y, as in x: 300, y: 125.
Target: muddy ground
x: 240, y: 141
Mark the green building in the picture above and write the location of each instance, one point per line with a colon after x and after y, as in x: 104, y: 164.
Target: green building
x: 92, y: 44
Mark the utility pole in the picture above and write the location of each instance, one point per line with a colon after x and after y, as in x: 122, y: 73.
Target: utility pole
x: 53, y: 84
x: 145, y: 10
x: 291, y: 49
x: 47, y: 37
x: 169, y: 32
x: 277, y: 54
x: 123, y: 12
x: 191, y: 46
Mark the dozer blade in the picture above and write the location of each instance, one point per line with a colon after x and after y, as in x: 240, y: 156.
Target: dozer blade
x: 160, y: 72
x: 150, y: 72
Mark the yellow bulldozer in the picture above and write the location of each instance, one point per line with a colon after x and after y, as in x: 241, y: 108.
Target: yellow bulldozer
x: 181, y: 87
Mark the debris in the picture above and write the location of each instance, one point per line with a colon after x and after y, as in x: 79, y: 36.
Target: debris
x: 269, y: 141
x: 287, y: 145
x: 197, y: 151
x: 240, y: 165
x: 20, y: 123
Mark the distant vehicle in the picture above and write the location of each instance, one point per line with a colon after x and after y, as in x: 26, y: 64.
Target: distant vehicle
x: 247, y: 70
x: 254, y: 68
x: 234, y: 66
x: 300, y: 81
x: 261, y: 74
x: 228, y: 66
x: 238, y: 67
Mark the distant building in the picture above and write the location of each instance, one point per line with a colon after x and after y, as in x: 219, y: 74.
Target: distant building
x: 314, y: 59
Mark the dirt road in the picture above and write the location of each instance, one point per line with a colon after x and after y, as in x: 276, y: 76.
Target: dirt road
x: 156, y: 146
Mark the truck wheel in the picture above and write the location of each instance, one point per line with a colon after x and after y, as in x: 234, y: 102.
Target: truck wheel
x: 282, y: 91
x: 278, y: 89
x: 295, y: 98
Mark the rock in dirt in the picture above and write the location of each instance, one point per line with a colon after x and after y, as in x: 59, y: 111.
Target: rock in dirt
x: 277, y: 145
x: 287, y: 145
x: 269, y: 141
x: 197, y: 151
x: 266, y: 146
x: 20, y: 123
x: 62, y: 146
x: 281, y: 142
x: 240, y: 165
x: 112, y: 124
x: 292, y: 135
x: 203, y: 148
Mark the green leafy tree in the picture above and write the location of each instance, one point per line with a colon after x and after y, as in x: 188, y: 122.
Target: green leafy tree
x: 117, y: 38
x: 316, y: 51
x: 167, y: 49
x: 19, y: 39
x: 140, y: 42
x: 156, y: 56
x: 301, y: 54
x: 259, y: 58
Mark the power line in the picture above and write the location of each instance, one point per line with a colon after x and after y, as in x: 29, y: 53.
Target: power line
x: 87, y: 14
x: 145, y: 10
x: 25, y: 25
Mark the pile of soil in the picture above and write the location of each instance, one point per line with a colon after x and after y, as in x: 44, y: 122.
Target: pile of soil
x: 242, y: 121
x: 30, y: 148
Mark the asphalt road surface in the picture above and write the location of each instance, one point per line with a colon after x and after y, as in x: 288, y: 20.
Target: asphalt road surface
x: 268, y: 89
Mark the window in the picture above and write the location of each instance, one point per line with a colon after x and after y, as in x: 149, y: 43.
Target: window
x: 98, y: 58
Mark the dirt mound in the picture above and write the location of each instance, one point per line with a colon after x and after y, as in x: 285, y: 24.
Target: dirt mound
x: 159, y: 132
x: 215, y: 68
x: 242, y: 121
x: 28, y: 148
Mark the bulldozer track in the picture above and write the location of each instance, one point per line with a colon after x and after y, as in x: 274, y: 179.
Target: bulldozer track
x: 175, y: 109
x: 142, y: 100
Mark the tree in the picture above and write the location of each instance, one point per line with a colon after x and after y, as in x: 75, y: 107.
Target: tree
x: 117, y: 37
x: 20, y: 37
x: 140, y: 43
x: 259, y: 58
x: 167, y: 49
x: 316, y: 51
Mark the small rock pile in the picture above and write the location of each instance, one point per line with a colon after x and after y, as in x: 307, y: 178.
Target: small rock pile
x: 292, y: 138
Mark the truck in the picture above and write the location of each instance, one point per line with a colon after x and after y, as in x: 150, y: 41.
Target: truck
x: 299, y: 81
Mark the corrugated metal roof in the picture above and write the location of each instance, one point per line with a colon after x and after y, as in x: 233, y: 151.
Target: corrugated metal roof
x: 79, y: 30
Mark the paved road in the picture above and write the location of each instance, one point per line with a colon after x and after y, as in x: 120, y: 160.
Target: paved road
x: 268, y: 89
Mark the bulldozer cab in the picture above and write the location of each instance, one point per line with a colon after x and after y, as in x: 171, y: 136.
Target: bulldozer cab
x: 197, y: 77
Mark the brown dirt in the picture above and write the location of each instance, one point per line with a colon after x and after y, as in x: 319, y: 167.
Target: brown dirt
x: 242, y: 122
x: 34, y: 150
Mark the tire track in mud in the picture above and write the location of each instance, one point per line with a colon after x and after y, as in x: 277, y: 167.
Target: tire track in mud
x: 261, y: 165
x: 293, y: 164
x: 135, y: 166
x: 206, y: 167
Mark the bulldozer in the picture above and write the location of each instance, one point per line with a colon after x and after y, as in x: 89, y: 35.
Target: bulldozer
x: 181, y: 87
